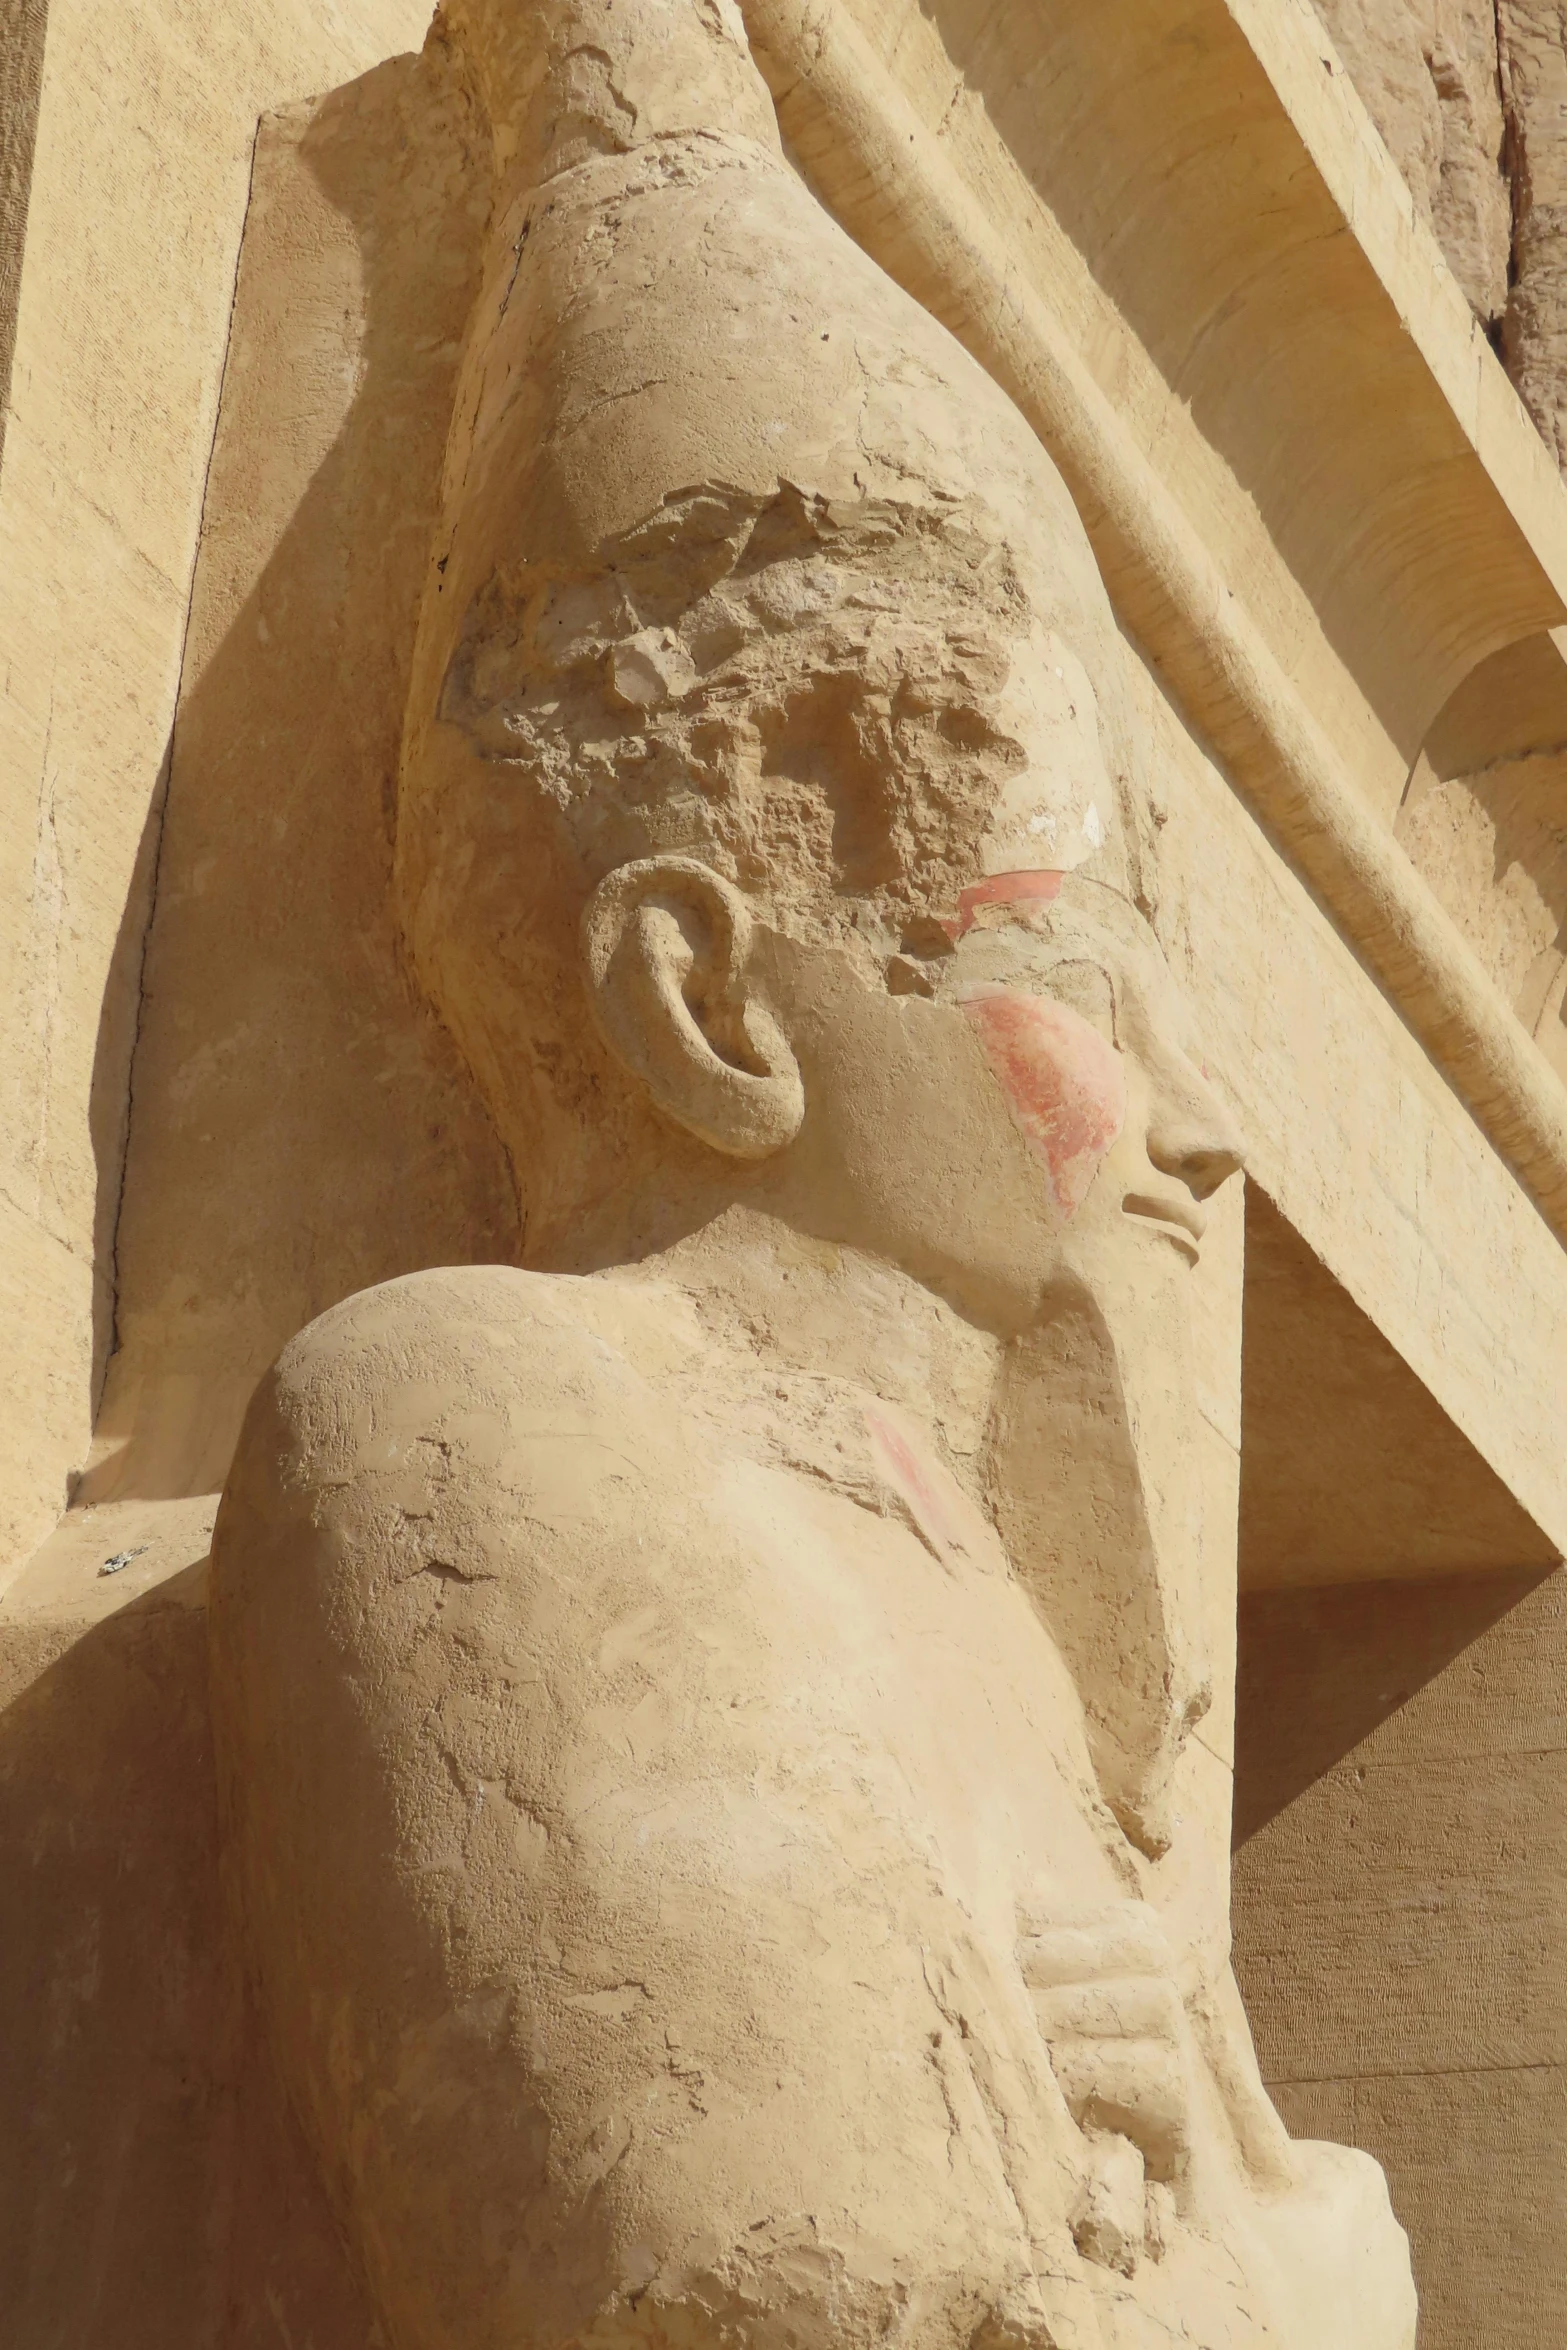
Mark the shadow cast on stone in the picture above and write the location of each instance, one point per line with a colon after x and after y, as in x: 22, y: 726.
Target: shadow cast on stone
x: 154, y: 2191
x: 1321, y: 1670
x: 109, y: 1095
x: 301, y: 1126
x: 276, y: 1122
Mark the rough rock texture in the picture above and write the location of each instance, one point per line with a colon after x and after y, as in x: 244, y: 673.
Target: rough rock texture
x: 1471, y: 98
x: 22, y: 27
x: 1534, y: 81
x: 1427, y: 72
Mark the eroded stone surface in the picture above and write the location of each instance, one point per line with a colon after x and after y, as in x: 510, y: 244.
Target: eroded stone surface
x: 1428, y: 73
x: 1533, y: 35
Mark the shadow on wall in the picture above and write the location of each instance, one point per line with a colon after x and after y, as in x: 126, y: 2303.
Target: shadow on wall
x: 1351, y: 1471
x: 1400, y: 1908
x: 109, y: 1095
x: 300, y: 1126
x: 154, y: 2192
x: 1320, y: 1671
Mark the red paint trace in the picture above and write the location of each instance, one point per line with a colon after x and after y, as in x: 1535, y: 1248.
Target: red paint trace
x: 938, y: 1513
x: 1064, y: 1083
x: 1035, y: 887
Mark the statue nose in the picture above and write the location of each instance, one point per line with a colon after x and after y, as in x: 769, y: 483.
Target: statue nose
x: 1191, y: 1134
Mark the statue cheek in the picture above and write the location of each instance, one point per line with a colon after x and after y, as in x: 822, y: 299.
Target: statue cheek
x: 1065, y: 1085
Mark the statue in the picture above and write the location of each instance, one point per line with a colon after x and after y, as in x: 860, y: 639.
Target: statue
x: 695, y: 1712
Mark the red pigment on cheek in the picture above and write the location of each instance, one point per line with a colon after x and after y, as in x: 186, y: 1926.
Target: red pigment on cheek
x: 1064, y: 1084
x: 1003, y: 889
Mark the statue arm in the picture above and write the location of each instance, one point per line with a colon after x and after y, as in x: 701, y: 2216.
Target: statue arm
x: 565, y: 1904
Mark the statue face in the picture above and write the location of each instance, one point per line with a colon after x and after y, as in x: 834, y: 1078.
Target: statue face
x: 1019, y: 1103
x: 1038, y: 1106
x: 851, y: 726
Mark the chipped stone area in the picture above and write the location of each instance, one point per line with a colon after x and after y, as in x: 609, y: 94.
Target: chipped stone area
x: 1427, y: 72
x: 795, y: 685
x: 1533, y: 48
x: 1471, y: 99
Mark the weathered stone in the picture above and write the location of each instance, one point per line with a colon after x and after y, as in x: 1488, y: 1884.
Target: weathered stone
x: 1533, y: 36
x: 815, y: 691
x: 1427, y: 72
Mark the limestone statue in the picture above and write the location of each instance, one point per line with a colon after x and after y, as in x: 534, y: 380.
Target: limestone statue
x: 696, y: 1713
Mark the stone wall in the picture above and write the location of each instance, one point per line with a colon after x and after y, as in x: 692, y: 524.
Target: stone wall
x: 154, y: 2193
x: 1534, y: 84
x: 1427, y: 71
x: 1471, y: 98
x: 1400, y: 1903
x: 133, y: 195
x: 286, y: 1084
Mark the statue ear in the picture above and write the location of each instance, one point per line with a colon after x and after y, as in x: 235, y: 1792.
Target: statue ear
x: 668, y: 950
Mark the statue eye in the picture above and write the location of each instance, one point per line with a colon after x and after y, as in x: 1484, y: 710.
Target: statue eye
x: 1085, y: 988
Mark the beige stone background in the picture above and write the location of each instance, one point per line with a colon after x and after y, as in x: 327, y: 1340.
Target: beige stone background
x: 1400, y: 1906
x: 1471, y: 98
x: 1400, y: 1789
x: 153, y: 2191
x: 277, y: 1030
x: 132, y: 190
x: 223, y: 1111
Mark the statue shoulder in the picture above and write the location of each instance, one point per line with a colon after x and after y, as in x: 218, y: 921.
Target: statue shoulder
x: 450, y: 1311
x: 480, y: 1377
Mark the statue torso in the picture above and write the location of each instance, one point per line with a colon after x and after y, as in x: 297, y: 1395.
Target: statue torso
x: 676, y: 1783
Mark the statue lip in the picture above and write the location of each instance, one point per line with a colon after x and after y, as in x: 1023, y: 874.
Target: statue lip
x: 1180, y: 1220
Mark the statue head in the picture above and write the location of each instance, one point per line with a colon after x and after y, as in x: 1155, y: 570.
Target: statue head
x: 770, y: 815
